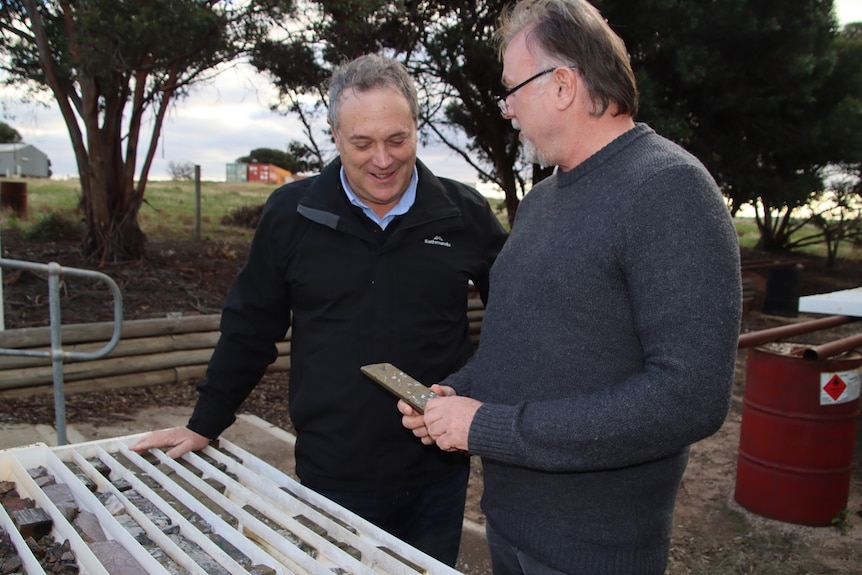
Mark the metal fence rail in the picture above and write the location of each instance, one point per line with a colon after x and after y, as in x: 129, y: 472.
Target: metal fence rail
x: 56, y: 354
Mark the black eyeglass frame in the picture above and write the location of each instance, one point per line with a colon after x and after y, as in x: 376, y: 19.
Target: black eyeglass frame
x: 501, y: 100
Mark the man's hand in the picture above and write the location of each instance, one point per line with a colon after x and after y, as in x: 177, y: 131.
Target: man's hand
x: 415, y: 421
x: 448, y: 419
x: 180, y: 439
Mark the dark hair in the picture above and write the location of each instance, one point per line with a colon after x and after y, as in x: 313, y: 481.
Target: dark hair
x: 367, y: 72
x: 573, y: 32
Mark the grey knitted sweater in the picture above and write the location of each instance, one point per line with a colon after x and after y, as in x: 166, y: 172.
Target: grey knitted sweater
x: 607, y: 348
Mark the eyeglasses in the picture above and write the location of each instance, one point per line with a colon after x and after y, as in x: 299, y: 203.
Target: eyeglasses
x: 502, y: 100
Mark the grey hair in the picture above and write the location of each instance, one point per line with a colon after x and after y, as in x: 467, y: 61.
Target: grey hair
x: 368, y: 72
x: 573, y: 33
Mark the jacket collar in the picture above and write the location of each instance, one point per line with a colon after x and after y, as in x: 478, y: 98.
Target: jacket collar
x: 326, y: 203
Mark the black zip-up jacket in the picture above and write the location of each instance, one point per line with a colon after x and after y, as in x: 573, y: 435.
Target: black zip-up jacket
x: 354, y: 294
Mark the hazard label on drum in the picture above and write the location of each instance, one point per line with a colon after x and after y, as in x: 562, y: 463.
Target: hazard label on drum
x: 840, y: 387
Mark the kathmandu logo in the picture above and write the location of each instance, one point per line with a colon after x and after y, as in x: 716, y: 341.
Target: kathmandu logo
x: 438, y: 241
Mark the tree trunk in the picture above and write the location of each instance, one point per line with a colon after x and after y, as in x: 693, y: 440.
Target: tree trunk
x: 110, y: 203
x: 117, y: 241
x: 112, y: 230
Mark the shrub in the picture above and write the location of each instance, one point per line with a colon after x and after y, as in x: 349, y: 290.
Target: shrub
x: 243, y: 217
x: 55, y: 227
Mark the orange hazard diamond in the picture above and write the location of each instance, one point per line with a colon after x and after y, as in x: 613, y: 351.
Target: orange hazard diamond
x: 835, y: 387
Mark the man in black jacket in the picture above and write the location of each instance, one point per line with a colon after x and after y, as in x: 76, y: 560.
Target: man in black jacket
x: 368, y: 262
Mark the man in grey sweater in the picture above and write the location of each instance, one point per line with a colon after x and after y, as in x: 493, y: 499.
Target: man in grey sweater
x: 609, y: 338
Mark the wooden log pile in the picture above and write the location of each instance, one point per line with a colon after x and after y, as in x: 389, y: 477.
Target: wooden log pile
x: 150, y: 352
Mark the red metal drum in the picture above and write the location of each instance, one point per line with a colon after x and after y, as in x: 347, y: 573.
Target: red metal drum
x: 798, y: 435
x: 13, y: 195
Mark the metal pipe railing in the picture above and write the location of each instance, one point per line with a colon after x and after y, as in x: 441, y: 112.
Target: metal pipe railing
x: 833, y: 348
x: 755, y: 338
x: 56, y: 354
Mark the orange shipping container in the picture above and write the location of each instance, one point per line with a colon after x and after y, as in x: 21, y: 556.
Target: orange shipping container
x: 284, y: 176
x: 268, y: 173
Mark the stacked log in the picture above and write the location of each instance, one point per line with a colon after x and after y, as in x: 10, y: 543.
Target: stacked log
x: 150, y: 352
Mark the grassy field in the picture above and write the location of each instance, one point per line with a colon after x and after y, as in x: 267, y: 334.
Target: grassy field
x: 169, y: 211
x: 749, y: 235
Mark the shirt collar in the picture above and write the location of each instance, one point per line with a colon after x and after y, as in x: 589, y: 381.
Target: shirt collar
x: 404, y: 203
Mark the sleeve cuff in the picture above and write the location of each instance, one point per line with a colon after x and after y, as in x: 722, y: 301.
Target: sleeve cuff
x: 492, y: 431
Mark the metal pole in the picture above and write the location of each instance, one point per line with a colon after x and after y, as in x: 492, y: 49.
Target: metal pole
x: 197, y: 202
x: 57, y: 352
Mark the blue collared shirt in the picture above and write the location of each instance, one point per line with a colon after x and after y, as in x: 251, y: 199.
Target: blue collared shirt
x: 404, y: 203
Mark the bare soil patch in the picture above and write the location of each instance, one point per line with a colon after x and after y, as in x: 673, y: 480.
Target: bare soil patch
x: 712, y: 533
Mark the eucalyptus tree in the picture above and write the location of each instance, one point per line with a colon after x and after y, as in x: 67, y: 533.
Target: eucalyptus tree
x: 843, y: 95
x: 114, y: 67
x: 8, y: 134
x: 293, y: 160
x: 762, y: 91
x: 446, y: 45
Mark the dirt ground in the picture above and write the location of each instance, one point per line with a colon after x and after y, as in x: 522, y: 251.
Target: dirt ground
x: 712, y: 533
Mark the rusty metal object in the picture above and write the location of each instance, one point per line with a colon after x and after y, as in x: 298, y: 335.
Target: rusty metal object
x: 833, y: 348
x: 756, y: 338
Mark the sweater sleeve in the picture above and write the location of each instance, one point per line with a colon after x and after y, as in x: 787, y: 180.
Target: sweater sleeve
x: 679, y: 262
x: 460, y: 380
x: 256, y: 316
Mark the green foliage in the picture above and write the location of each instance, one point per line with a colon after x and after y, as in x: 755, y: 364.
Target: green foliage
x: 55, y: 227
x: 447, y: 47
x: 296, y: 160
x: 747, y: 232
x: 839, y: 522
x: 8, y: 134
x: 737, y: 518
x: 765, y: 92
x: 114, y: 67
x: 244, y: 217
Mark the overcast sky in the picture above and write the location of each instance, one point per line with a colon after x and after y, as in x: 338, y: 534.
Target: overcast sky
x: 222, y: 121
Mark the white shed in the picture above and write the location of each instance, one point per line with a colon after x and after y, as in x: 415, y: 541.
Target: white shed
x: 23, y: 160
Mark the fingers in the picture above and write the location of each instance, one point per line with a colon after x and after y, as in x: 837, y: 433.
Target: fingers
x: 436, y: 432
x: 443, y: 390
x: 181, y: 440
x: 180, y: 450
x: 149, y: 441
x: 414, y: 421
x: 405, y: 408
x: 423, y: 424
x: 445, y: 445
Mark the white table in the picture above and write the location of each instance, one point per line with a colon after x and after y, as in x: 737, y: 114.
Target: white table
x: 844, y: 302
